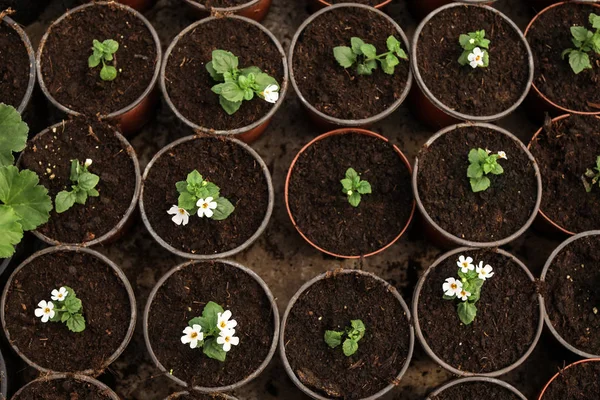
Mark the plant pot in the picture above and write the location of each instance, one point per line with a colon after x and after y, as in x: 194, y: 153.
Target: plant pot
x: 556, y: 88
x: 332, y: 100
x: 319, y: 208
x: 587, y: 386
x: 477, y: 388
x: 101, y: 219
x: 445, y: 198
x: 18, y: 69
x: 570, y: 298
x: 3, y: 378
x: 199, y: 396
x: 444, y: 92
x: 316, y: 5
x: 108, y: 307
x: 139, y: 5
x: 329, y: 302
x: 4, y: 262
x: 506, y: 329
x: 420, y: 8
x: 65, y: 386
x: 181, y: 295
x: 186, y: 84
x: 235, y: 164
x: 127, y: 101
x: 253, y: 9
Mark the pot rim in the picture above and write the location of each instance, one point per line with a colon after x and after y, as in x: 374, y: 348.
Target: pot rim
x: 345, y: 131
x: 274, y: 310
x: 176, y: 395
x: 441, y: 106
x: 116, y: 269
x: 3, y: 378
x: 71, y: 12
x: 4, y: 262
x: 562, y: 370
x: 350, y: 122
x: 455, y: 239
x: 222, y: 254
x: 333, y: 274
x: 78, y: 377
x: 236, y: 131
x: 485, y: 379
x: 222, y: 10
x: 425, y: 345
x: 381, y: 4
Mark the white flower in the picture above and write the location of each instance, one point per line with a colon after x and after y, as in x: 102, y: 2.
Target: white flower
x: 223, y: 321
x: 88, y: 162
x: 463, y: 295
x: 179, y: 215
x: 502, y: 154
x: 206, y: 207
x: 465, y: 264
x: 452, y: 287
x: 487, y: 151
x: 192, y: 335
x: 227, y: 338
x: 271, y: 93
x: 349, y: 192
x: 60, y: 294
x: 476, y: 58
x: 484, y: 272
x: 471, y: 40
x: 45, y: 310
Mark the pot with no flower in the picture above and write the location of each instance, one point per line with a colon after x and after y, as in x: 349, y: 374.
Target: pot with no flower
x: 199, y: 396
x: 577, y: 381
x: 65, y: 386
x: 318, y: 4
x: 477, y: 387
x: 253, y: 9
x: 420, y: 8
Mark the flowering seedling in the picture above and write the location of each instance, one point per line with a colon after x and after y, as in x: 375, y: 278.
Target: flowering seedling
x: 467, y: 288
x: 65, y: 307
x: 239, y: 85
x: 84, y: 186
x: 24, y: 204
x: 472, y: 44
x: 213, y: 332
x: 103, y: 53
x: 352, y: 335
x: 354, y: 187
x: 584, y: 41
x: 593, y: 175
x: 482, y: 163
x: 364, y: 56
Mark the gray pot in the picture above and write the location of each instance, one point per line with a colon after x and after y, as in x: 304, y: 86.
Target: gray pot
x: 3, y: 378
x: 46, y: 378
x: 477, y: 379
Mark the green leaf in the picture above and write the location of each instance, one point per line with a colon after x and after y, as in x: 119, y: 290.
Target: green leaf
x: 349, y: 347
x: 213, y: 350
x: 110, y: 46
x: 251, y: 70
x: 72, y: 304
x: 364, y: 187
x: 466, y: 312
x: 356, y: 43
x: 448, y: 297
x: 389, y: 63
x: 579, y: 61
x: 94, y: 60
x: 366, y: 68
x: 351, y: 174
x: 497, y: 169
x: 223, y: 210
x: 80, y: 196
x: 187, y: 201
x: 194, y: 178
x: 203, y: 322
x: 369, y: 50
x: 229, y: 106
x: 354, y: 199
x: 474, y: 171
x: 595, y: 21
x: 64, y: 317
x: 392, y: 44
x: 263, y: 80
x: 212, y: 190
x: 108, y: 73
x: 359, y: 327
x: 88, y: 181
x: 13, y: 134
x: 402, y: 54
x: 210, y: 313
x: 224, y: 61
x: 96, y: 45
x: 218, y: 88
x: 464, y: 40
x: 213, y: 73
x: 347, y: 184
x: 76, y: 323
x: 181, y: 186
x: 344, y: 56
x: 64, y: 200
x: 75, y: 170
x: 464, y: 58
x: 486, y: 59
x: 480, y: 184
x: 232, y: 92
x: 11, y: 231
x: 485, y: 43
x: 333, y: 338
x: 580, y: 33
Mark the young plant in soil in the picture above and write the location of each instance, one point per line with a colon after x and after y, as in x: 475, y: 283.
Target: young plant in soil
x: 69, y: 313
x: 103, y: 53
x: 472, y: 53
x: 482, y: 163
x: 593, y: 174
x: 352, y: 335
x: 84, y: 186
x: 354, y: 187
x: 584, y: 41
x: 239, y: 85
x: 364, y: 56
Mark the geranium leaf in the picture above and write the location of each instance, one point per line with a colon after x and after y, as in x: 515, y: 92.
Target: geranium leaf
x: 13, y: 134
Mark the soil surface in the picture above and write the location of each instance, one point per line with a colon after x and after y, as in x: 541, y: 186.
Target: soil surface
x: 576, y: 383
x: 320, y: 206
x: 233, y: 170
x: 189, y: 84
x: 548, y: 37
x: 14, y: 68
x: 106, y: 309
x: 50, y: 157
x: 480, y: 91
x: 476, y: 391
x: 222, y: 3
x: 572, y: 294
x: 61, y: 389
x: 339, y: 92
x: 446, y: 193
x: 183, y: 297
x: 197, y: 396
x: 506, y: 322
x: 564, y: 151
x: 65, y: 60
x: 367, y: 2
x: 330, y: 304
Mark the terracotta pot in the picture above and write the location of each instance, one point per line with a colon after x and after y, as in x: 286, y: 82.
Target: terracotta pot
x: 420, y: 8
x: 321, y: 137
x: 217, y: 396
x: 561, y: 371
x: 477, y: 379
x: 430, y: 110
x: 132, y: 118
x: 248, y: 133
x: 139, y: 5
x: 324, y: 121
x: 316, y: 5
x: 253, y: 9
x: 83, y: 378
x: 3, y: 378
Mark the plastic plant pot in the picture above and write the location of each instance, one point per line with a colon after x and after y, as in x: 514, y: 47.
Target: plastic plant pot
x: 253, y: 9
x: 102, y: 388
x: 420, y: 8
x: 139, y: 5
x: 491, y: 381
x: 3, y: 378
x: 181, y: 395
x: 132, y: 117
x: 558, y: 374
x: 316, y: 5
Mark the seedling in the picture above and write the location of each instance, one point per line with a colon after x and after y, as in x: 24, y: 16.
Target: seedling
x: 352, y: 335
x: 65, y: 308
x: 467, y: 288
x: 472, y: 44
x: 354, y: 187
x: 482, y: 163
x: 84, y: 186
x: 239, y: 85
x: 213, y: 332
x: 594, y: 175
x: 103, y: 53
x: 364, y: 56
x: 584, y: 41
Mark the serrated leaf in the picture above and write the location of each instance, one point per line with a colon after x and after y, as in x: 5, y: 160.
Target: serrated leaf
x: 194, y: 178
x: 223, y: 210
x: 474, y: 171
x: 354, y: 199
x: 213, y: 350
x: 349, y: 347
x: 76, y: 323
x: 356, y: 43
x: 87, y: 181
x: 96, y: 45
x: 392, y: 44
x: 333, y: 338
x: 578, y: 60
x: 224, y: 61
x: 466, y: 312
x: 80, y: 196
x: 13, y: 133
x: 351, y: 174
x: 595, y: 20
x: 388, y: 64
x: 579, y: 33
x: 464, y: 58
x: 366, y: 68
x: 368, y: 50
x: 486, y: 59
x: 11, y: 231
x: 232, y: 92
x: 364, y: 187
x: 64, y: 317
x: 464, y: 40
x: 229, y: 106
x: 347, y: 184
x: 359, y: 327
x: 186, y: 201
x: 72, y: 304
x: 181, y: 186
x: 64, y: 200
x: 480, y: 184
x: 110, y: 46
x: 344, y: 56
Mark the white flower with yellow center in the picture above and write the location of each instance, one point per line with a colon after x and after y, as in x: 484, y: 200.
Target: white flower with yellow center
x: 476, y: 58
x: 484, y: 272
x: 206, y: 207
x: 271, y: 93
x: 463, y: 295
x: 465, y: 264
x: 88, y: 162
x: 60, y: 294
x: 227, y: 338
x: 452, y: 287
x: 192, y: 335
x: 180, y: 216
x: 502, y: 154
x: 224, y: 322
x: 45, y: 310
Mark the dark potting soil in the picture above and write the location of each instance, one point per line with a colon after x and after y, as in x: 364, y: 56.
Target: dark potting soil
x: 367, y: 2
x: 330, y: 304
x: 548, y: 37
x: 106, y: 309
x: 476, y: 391
x: 189, y: 84
x: 14, y: 68
x: 222, y: 3
x: 50, y: 157
x: 446, y: 193
x: 506, y: 322
x: 197, y: 396
x: 579, y: 382
x: 479, y: 91
x: 321, y: 209
x: 61, y: 389
x: 233, y: 170
x: 564, y: 150
x: 572, y: 294
x: 339, y: 92
x: 65, y: 60
x: 183, y: 297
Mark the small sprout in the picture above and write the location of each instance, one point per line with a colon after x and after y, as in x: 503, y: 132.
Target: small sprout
x: 593, y: 175
x: 472, y: 44
x: 482, y: 163
x: 353, y: 187
x: 584, y: 42
x: 103, y: 53
x: 180, y: 216
x: 70, y: 313
x: 84, y: 186
x: 364, y: 56
x: 352, y: 335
